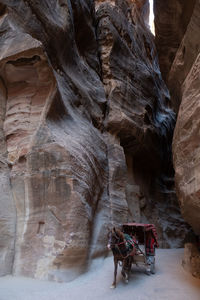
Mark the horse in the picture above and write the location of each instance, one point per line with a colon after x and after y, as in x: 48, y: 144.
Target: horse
x: 122, y: 252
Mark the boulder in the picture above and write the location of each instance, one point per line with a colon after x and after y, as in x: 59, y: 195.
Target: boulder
x: 191, y: 259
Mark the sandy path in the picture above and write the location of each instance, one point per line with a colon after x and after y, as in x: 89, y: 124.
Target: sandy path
x: 170, y: 282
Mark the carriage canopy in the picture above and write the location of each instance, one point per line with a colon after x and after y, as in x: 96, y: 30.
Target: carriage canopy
x: 140, y: 230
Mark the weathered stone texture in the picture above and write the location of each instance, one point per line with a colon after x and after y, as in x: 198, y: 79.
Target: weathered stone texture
x: 191, y: 259
x: 138, y: 115
x: 7, y: 211
x: 185, y: 57
x: 182, y: 77
x: 183, y: 82
x: 58, y: 157
x: 171, y: 21
x: 186, y: 149
x: 86, y: 130
x: 178, y: 29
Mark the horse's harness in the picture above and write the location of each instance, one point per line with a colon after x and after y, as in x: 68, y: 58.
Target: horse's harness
x: 121, y: 243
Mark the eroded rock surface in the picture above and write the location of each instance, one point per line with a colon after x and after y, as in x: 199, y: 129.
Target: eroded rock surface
x: 86, y: 130
x: 171, y: 21
x: 186, y: 149
x: 139, y: 115
x: 184, y: 85
x: 185, y: 57
x: 191, y: 259
x: 7, y: 211
x: 183, y: 82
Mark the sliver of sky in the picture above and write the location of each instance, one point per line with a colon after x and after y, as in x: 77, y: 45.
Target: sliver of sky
x: 151, y: 17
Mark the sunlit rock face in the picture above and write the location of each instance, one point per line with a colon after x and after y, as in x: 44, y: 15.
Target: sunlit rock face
x: 85, y: 133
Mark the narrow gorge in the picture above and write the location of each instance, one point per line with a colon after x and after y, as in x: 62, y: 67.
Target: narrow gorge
x: 99, y: 126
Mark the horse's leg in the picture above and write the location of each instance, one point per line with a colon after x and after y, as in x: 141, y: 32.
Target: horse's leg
x: 127, y: 263
x: 125, y: 270
x: 115, y: 273
x: 130, y: 261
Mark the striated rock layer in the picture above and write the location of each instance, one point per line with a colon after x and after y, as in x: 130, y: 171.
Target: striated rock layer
x: 191, y: 259
x: 184, y: 84
x: 185, y: 57
x: 139, y: 117
x: 187, y: 151
x: 171, y: 21
x: 85, y: 133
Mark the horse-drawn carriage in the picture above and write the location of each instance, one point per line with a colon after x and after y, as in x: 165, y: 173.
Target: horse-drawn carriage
x: 133, y: 243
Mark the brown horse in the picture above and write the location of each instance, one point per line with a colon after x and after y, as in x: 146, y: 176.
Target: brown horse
x: 121, y: 253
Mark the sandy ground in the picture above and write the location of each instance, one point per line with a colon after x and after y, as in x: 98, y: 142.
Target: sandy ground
x: 170, y: 282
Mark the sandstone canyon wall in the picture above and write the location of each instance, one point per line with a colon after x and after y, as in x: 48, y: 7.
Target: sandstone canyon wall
x: 183, y: 82
x: 86, y: 131
x: 182, y: 75
x: 171, y: 21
